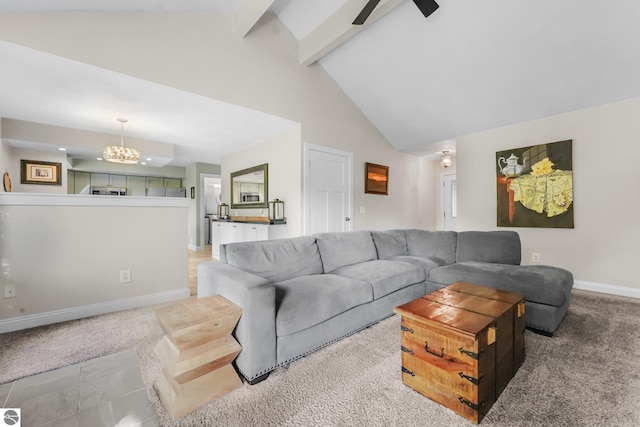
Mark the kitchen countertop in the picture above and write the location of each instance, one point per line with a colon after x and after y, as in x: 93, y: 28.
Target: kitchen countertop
x: 249, y: 220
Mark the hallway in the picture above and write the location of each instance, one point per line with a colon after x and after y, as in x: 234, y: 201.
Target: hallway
x: 195, y: 258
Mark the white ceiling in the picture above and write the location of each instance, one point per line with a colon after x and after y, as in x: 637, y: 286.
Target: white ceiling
x: 472, y: 65
x: 37, y: 87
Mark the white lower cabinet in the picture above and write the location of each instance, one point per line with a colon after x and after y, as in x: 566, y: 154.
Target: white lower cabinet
x: 254, y: 232
x: 231, y: 232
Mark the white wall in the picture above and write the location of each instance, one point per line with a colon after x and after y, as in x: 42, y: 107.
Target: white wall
x: 5, y: 155
x: 199, y: 53
x: 14, y: 166
x: 64, y: 253
x: 283, y: 153
x: 603, y: 246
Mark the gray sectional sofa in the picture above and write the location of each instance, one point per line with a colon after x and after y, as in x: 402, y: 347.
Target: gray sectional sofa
x: 302, y: 293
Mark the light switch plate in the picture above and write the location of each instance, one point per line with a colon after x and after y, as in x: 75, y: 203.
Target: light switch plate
x: 10, y: 291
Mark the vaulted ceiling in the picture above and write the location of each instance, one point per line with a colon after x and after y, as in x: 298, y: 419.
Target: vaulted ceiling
x: 423, y: 82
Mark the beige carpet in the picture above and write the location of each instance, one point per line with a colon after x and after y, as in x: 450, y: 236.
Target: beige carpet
x: 587, y: 375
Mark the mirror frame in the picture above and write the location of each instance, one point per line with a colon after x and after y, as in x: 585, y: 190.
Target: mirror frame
x: 235, y: 204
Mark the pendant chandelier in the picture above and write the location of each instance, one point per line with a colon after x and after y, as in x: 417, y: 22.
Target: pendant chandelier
x: 445, y: 159
x: 121, y: 154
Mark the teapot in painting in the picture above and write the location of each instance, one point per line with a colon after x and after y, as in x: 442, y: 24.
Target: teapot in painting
x: 511, y: 167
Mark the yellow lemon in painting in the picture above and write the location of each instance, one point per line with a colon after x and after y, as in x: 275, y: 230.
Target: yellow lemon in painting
x: 543, y: 167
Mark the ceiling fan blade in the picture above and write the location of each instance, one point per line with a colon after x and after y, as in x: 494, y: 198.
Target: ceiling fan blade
x: 427, y: 7
x: 364, y: 14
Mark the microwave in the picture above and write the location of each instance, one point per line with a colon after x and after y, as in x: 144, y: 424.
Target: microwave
x: 249, y: 197
x: 109, y: 191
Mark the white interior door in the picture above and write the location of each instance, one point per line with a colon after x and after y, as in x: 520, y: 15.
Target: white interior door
x: 449, y: 202
x: 328, y: 188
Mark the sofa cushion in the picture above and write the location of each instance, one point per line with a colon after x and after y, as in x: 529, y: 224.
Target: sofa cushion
x: 306, y: 301
x: 440, y: 246
x: 276, y: 260
x: 384, y: 276
x: 340, y: 249
x: 424, y: 263
x: 390, y: 243
x: 502, y: 247
x: 538, y: 283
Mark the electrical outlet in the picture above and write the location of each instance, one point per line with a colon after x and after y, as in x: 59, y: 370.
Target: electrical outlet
x: 125, y: 276
x: 535, y: 257
x: 9, y: 291
x: 363, y: 209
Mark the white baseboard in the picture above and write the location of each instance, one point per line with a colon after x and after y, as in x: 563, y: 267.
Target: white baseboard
x: 607, y: 289
x: 56, y: 316
x: 195, y: 248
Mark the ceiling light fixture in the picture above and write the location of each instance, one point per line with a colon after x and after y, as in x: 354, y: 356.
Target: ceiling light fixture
x: 445, y: 159
x: 121, y: 154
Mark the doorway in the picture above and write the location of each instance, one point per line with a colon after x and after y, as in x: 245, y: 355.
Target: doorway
x: 328, y: 189
x: 210, y: 198
x: 449, y: 202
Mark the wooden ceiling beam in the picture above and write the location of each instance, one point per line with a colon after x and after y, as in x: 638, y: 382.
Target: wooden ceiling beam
x: 338, y: 28
x: 247, y: 14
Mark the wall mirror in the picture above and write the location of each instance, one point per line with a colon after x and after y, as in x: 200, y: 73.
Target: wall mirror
x: 250, y: 188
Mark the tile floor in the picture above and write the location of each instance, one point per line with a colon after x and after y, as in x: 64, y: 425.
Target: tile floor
x: 107, y: 391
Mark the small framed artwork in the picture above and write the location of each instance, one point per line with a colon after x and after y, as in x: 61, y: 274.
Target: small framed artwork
x: 376, y: 179
x: 43, y: 173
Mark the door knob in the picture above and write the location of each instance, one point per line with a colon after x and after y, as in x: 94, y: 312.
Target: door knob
x: 347, y: 219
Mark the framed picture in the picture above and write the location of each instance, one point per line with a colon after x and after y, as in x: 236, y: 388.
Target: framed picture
x: 376, y: 179
x: 37, y: 172
x: 535, y: 186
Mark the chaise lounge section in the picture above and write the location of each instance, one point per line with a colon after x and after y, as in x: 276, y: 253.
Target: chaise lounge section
x: 303, y: 293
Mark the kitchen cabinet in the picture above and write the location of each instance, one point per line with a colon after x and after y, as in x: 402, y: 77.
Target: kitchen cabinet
x: 118, y: 181
x: 108, y: 180
x: 215, y: 239
x: 255, y: 232
x: 155, y: 182
x: 79, y: 182
x: 136, y: 186
x: 99, y: 179
x: 82, y: 183
x: 231, y: 232
x: 172, y: 183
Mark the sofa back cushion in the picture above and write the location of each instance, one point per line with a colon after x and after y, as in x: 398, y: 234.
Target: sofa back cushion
x: 276, y: 260
x: 500, y: 247
x: 391, y: 243
x: 340, y: 249
x: 439, y: 246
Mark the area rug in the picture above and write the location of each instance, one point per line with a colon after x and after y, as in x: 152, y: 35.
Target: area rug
x: 587, y: 374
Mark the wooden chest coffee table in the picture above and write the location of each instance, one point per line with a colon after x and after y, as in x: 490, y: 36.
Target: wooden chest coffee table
x: 461, y: 345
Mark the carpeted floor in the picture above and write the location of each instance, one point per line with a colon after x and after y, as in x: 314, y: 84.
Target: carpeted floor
x: 587, y: 374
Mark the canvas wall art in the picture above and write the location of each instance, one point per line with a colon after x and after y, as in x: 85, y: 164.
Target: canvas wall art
x: 376, y: 179
x: 535, y: 186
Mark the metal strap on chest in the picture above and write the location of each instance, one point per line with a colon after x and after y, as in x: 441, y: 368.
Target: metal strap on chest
x: 406, y: 350
x: 406, y: 371
x: 471, y: 354
x: 470, y: 404
x: 473, y: 380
